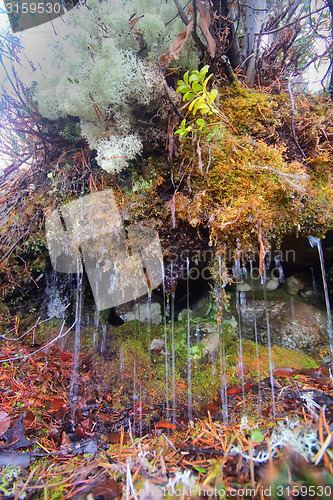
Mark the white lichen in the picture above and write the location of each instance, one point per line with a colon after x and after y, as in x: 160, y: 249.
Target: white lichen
x: 299, y: 438
x: 105, y: 65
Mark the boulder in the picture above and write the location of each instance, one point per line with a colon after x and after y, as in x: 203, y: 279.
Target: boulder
x: 141, y: 313
x: 294, y: 324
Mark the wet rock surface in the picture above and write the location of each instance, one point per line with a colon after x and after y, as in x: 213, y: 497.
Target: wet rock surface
x: 294, y: 324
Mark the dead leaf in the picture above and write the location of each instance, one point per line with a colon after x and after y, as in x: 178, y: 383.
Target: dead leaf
x: 15, y: 437
x: 284, y: 372
x: 108, y: 489
x: 204, y: 23
x: 65, y: 447
x: 177, y: 45
x: 212, y: 408
x: 84, y: 429
x: 162, y: 424
x: 4, y: 422
x: 59, y: 404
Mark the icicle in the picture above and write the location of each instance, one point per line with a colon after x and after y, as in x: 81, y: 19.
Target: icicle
x: 292, y: 309
x: 173, y: 353
x: 315, y: 242
x: 103, y: 340
x: 240, y: 305
x: 73, y: 391
x: 197, y: 333
x: 256, y: 340
x: 223, y: 368
x: 166, y: 353
x: 271, y: 366
x: 135, y: 397
x: 96, y: 325
x: 189, y: 380
x: 149, y: 362
x: 96, y: 315
x: 314, y: 284
x: 121, y: 358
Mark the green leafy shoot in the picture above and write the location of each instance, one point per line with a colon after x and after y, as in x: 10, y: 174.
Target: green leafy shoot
x: 199, y: 100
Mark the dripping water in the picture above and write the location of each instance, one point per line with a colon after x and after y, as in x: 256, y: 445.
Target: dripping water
x: 96, y: 325
x: 189, y: 379
x: 173, y: 354
x: 134, y: 394
x: 256, y: 339
x: 271, y: 366
x: 314, y: 284
x: 149, y: 364
x: 166, y: 354
x: 121, y: 359
x: 74, y: 386
x: 96, y: 314
x: 197, y: 333
x: 103, y: 340
x: 315, y: 242
x: 221, y: 332
x: 292, y: 310
x: 135, y: 397
x: 240, y: 307
x: 137, y: 401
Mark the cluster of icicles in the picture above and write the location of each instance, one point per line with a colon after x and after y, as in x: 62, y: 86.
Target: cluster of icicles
x: 169, y: 348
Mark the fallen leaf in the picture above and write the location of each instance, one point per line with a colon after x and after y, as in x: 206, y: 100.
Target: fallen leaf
x: 211, y: 407
x: 84, y: 429
x: 165, y: 425
x: 108, y: 489
x: 284, y: 372
x: 65, y: 447
x: 239, y: 390
x: 204, y: 23
x: 4, y: 422
x: 176, y: 46
x: 15, y: 437
x: 28, y: 419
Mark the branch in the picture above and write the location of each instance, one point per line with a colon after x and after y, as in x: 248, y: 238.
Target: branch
x: 269, y: 32
x: 13, y: 166
x: 60, y: 335
x: 201, y: 46
x: 182, y: 13
x: 38, y: 322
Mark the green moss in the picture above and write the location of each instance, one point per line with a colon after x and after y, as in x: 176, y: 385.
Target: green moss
x: 133, y: 339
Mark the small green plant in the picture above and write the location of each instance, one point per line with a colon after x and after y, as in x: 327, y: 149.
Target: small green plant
x: 18, y: 404
x: 196, y: 351
x: 199, y: 100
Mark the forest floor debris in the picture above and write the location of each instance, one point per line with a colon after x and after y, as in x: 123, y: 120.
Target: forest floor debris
x: 108, y: 454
